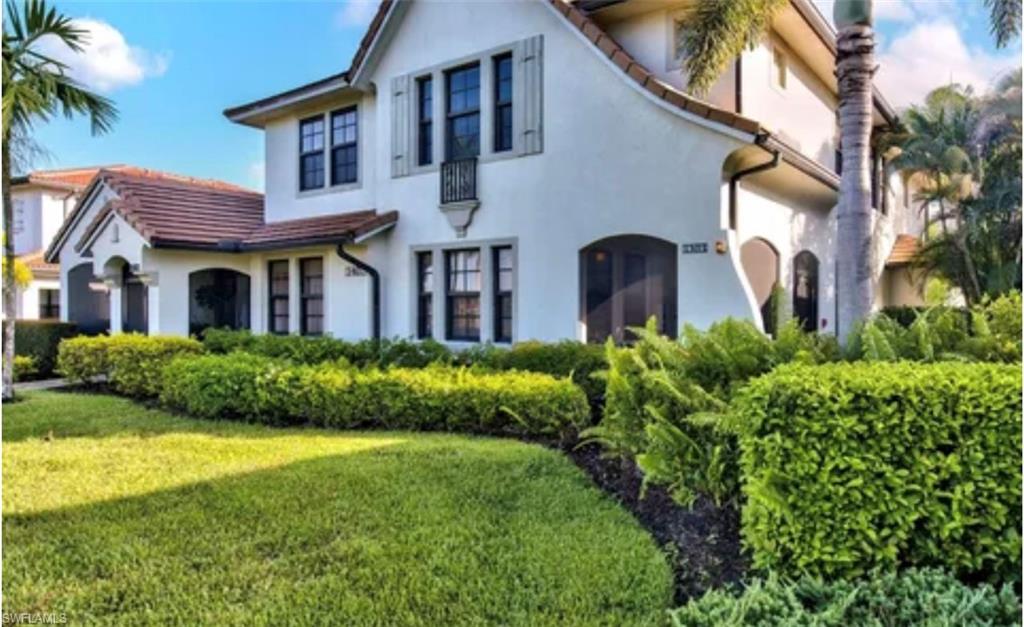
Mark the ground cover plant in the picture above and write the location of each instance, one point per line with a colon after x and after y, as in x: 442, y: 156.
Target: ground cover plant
x: 915, y: 598
x: 118, y: 513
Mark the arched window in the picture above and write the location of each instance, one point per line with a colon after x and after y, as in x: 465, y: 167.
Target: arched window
x: 218, y: 298
x: 761, y: 265
x: 805, y: 290
x: 88, y: 300
x: 625, y: 280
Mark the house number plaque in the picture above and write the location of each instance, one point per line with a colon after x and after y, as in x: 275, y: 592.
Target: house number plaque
x: 696, y: 248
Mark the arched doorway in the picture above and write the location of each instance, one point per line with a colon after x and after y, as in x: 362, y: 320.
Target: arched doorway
x: 218, y: 297
x: 761, y: 265
x: 624, y: 280
x: 88, y: 300
x: 805, y: 290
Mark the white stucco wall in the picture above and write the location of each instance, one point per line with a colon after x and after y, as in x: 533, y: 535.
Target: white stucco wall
x: 27, y: 300
x: 614, y: 162
x: 27, y: 226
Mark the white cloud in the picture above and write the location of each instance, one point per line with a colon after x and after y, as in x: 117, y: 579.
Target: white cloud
x: 355, y: 13
x: 107, y: 62
x: 893, y: 11
x: 932, y: 54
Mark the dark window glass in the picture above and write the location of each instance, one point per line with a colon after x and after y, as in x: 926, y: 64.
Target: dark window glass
x: 462, y: 139
x: 344, y: 146
x: 805, y: 290
x: 599, y: 289
x: 503, y: 294
x: 311, y: 273
x: 503, y: 103
x: 278, y: 314
x: 463, y: 270
x: 425, y: 142
x: 218, y: 298
x: 311, y: 153
x: 425, y: 297
x: 49, y: 304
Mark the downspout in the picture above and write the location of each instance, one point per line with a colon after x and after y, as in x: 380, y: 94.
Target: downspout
x: 374, y: 281
x: 735, y: 179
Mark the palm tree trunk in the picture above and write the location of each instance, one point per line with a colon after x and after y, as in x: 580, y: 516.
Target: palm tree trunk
x: 9, y: 287
x: 855, y: 66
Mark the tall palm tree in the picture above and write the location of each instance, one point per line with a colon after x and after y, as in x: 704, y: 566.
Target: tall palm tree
x: 36, y: 88
x: 717, y: 33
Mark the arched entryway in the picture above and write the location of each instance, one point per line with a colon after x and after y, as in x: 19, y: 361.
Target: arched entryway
x: 805, y: 290
x: 218, y: 297
x: 761, y: 265
x: 134, y: 295
x: 624, y: 280
x: 88, y: 300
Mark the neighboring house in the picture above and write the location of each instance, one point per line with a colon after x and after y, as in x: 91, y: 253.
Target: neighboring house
x: 500, y: 172
x: 42, y: 199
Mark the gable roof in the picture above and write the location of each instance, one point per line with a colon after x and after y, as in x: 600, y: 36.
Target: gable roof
x: 171, y: 211
x: 69, y: 179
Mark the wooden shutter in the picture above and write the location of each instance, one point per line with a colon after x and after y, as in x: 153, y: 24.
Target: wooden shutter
x: 401, y: 123
x: 528, y: 100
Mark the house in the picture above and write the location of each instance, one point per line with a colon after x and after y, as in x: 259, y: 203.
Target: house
x: 42, y: 199
x: 494, y: 172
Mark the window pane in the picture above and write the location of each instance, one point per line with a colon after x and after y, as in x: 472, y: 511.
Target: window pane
x: 344, y: 163
x: 312, y: 171
x: 344, y: 127
x: 312, y: 134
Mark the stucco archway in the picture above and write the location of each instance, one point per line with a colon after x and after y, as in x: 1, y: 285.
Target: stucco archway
x: 133, y: 293
x: 218, y: 297
x: 760, y: 260
x: 624, y: 280
x: 88, y: 300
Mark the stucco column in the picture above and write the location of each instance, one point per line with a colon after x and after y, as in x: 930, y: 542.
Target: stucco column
x: 113, y: 283
x: 152, y: 282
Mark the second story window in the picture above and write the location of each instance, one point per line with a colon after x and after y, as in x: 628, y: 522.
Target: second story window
x: 425, y: 129
x: 311, y: 272
x: 344, y: 146
x: 503, y: 103
x: 463, y: 311
x: 425, y: 298
x: 278, y: 315
x: 462, y: 132
x: 311, y: 153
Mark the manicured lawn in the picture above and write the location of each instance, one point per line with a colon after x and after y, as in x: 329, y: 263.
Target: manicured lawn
x: 116, y: 513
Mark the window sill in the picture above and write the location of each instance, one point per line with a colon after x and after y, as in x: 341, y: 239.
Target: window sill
x: 330, y: 189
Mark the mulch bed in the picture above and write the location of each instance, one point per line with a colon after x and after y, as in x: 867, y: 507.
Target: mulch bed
x: 702, y: 543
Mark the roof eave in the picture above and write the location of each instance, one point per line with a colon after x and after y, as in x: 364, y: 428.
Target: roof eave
x: 256, y: 113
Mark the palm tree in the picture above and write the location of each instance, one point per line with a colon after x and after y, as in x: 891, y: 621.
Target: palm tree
x: 717, y: 33
x: 36, y: 88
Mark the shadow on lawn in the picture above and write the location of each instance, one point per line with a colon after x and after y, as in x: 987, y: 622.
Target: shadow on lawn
x: 428, y: 533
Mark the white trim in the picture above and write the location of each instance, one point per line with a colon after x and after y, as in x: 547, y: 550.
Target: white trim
x: 372, y: 232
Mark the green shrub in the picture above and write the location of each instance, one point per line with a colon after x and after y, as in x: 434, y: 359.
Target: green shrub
x: 314, y: 350
x: 40, y: 339
x: 132, y: 363
x: 258, y: 388
x: 667, y: 400
x: 25, y: 368
x: 847, y: 467
x: 909, y: 599
x: 583, y: 362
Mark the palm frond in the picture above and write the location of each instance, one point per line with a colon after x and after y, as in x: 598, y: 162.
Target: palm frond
x: 1005, y: 17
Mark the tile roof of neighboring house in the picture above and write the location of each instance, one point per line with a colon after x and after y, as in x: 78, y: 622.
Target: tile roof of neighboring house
x: 172, y: 211
x: 71, y: 179
x: 903, y: 251
x: 36, y: 262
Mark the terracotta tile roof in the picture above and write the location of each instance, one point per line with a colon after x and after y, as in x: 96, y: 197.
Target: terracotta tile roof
x: 323, y: 229
x: 903, y: 251
x: 171, y: 211
x: 36, y: 262
x: 71, y: 179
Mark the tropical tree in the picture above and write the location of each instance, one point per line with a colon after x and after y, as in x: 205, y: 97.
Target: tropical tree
x: 719, y: 30
x: 36, y: 87
x: 963, y: 154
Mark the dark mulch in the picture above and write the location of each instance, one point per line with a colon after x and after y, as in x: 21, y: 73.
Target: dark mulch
x: 702, y: 543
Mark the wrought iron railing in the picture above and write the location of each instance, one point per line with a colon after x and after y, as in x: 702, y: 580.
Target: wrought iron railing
x: 458, y: 180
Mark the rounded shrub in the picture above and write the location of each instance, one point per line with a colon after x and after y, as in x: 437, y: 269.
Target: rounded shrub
x: 133, y: 364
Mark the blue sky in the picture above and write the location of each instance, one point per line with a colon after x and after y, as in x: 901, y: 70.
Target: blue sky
x: 173, y: 67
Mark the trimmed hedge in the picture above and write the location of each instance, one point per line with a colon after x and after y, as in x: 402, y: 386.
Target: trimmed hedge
x: 132, y: 363
x: 24, y: 368
x: 262, y: 389
x: 847, y: 467
x: 915, y: 597
x: 40, y: 339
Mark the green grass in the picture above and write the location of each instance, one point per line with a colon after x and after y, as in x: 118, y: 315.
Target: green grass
x: 115, y: 513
